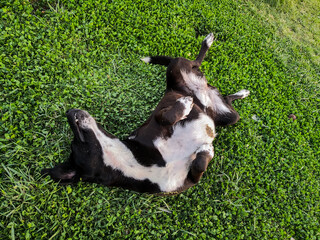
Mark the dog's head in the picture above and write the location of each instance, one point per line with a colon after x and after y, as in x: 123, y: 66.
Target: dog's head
x: 85, y: 143
x: 85, y: 146
x: 86, y: 151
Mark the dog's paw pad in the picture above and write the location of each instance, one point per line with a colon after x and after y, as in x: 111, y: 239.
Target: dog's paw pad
x: 209, y: 39
x: 206, y: 148
x: 187, y: 102
x: 146, y: 59
x: 243, y: 93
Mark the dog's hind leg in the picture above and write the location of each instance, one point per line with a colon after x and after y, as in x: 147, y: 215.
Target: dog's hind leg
x: 199, y: 165
x: 230, y: 117
x: 206, y: 44
x: 179, y: 111
x: 238, y: 95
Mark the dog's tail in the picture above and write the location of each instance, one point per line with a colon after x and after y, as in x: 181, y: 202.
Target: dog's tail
x: 161, y: 60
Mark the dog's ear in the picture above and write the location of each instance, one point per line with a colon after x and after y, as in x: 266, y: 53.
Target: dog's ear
x: 161, y: 60
x: 63, y: 173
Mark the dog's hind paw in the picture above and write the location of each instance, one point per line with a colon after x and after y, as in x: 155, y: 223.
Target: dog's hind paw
x: 242, y: 93
x: 208, y: 148
x: 209, y: 39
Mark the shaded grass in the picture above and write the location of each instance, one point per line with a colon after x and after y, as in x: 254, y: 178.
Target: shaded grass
x: 264, y: 180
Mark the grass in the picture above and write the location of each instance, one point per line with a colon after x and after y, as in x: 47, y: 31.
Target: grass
x: 296, y: 20
x: 263, y: 182
x: 296, y: 25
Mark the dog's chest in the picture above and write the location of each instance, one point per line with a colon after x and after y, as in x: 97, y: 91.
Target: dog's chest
x: 207, y: 96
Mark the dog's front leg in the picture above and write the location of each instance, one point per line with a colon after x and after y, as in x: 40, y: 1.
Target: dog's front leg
x: 63, y: 173
x: 206, y: 44
x: 199, y: 165
x: 179, y: 111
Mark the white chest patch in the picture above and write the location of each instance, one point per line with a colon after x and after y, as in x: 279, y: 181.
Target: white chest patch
x: 208, y: 97
x: 178, y: 152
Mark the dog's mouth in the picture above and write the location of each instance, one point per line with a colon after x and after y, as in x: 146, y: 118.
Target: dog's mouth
x: 74, y: 119
x: 78, y: 129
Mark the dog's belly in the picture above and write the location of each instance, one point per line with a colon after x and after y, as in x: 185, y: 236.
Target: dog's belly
x: 178, y: 151
x: 186, y: 139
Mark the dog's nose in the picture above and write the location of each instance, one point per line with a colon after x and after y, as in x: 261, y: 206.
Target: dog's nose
x: 69, y: 111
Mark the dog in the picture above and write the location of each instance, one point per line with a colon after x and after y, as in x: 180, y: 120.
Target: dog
x: 166, y: 155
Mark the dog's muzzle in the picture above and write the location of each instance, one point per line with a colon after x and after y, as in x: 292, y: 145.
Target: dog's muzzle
x: 76, y: 117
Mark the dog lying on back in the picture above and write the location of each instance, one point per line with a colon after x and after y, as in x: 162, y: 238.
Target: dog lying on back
x: 170, y: 152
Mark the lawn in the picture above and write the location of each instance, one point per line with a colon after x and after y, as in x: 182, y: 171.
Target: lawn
x: 264, y: 181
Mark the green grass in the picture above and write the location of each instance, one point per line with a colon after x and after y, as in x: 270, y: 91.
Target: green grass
x: 264, y: 180
x: 297, y: 24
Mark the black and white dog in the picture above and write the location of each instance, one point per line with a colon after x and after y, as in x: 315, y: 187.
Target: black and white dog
x: 170, y: 151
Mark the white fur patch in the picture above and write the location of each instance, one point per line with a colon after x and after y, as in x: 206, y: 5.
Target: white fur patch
x: 242, y: 93
x: 86, y: 122
x: 178, y: 152
x: 207, y: 96
x: 209, y: 39
x: 68, y: 175
x: 146, y: 59
x: 132, y: 137
x: 217, y: 103
x: 206, y: 148
x: 188, y: 104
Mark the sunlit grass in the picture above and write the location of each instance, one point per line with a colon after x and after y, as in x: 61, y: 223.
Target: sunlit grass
x: 297, y: 21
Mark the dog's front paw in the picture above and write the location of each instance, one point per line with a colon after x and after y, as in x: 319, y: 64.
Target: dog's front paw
x: 209, y: 39
x: 243, y: 93
x: 187, y: 102
x: 207, y: 148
